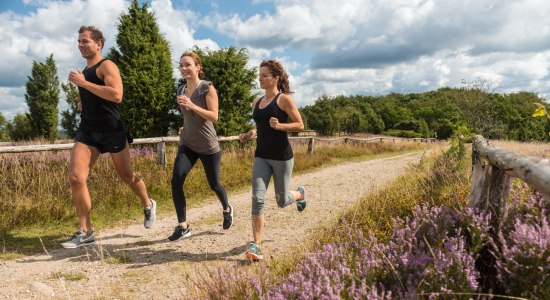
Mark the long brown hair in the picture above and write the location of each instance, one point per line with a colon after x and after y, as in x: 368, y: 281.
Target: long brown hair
x: 196, y: 59
x: 277, y: 70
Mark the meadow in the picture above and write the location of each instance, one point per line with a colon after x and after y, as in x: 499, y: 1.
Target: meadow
x: 36, y: 204
x: 415, y: 239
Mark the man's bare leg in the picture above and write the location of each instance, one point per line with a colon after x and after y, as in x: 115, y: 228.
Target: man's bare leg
x: 82, y: 159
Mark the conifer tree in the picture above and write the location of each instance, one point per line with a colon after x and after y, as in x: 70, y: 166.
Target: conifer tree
x: 143, y: 57
x: 3, y: 128
x: 42, y: 98
x: 70, y: 117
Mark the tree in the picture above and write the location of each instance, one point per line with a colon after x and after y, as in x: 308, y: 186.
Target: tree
x: 227, y: 69
x: 322, y: 116
x: 20, y: 128
x: 144, y: 60
x: 70, y: 117
x: 42, y: 98
x: 3, y: 128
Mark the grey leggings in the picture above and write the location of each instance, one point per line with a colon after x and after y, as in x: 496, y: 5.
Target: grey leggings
x: 261, y: 174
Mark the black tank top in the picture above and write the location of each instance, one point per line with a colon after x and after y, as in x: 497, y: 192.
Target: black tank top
x: 271, y: 143
x: 97, y: 114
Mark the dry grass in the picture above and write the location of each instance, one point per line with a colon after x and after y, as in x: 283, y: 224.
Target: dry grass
x: 537, y: 149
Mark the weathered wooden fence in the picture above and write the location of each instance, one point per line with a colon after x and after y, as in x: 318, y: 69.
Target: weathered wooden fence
x: 161, y: 144
x: 493, y: 170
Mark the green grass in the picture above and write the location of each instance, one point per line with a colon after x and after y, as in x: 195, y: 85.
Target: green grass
x: 69, y: 276
x: 36, y: 209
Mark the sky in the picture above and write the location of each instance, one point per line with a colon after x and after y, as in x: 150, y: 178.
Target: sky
x: 349, y: 47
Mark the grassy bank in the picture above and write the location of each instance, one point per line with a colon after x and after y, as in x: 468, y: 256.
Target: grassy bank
x: 36, y: 208
x: 415, y: 239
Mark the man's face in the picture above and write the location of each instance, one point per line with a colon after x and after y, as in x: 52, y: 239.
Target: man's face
x: 87, y: 46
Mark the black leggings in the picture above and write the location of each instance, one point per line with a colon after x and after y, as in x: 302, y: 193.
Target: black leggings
x: 185, y: 160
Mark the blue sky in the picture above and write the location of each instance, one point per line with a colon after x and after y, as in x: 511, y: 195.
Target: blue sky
x: 352, y: 47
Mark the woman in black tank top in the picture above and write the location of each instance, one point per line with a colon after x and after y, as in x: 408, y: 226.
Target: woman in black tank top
x: 275, y: 115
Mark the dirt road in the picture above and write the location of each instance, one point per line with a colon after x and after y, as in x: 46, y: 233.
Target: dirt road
x: 131, y: 262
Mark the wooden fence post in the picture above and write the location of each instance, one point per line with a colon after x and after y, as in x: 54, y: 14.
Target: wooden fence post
x: 161, y: 154
x: 490, y: 186
x: 310, y: 144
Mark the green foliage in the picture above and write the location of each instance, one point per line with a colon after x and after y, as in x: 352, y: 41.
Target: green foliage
x: 70, y: 117
x: 440, y: 114
x: 322, y: 116
x: 144, y: 60
x: 4, y: 135
x: 228, y: 71
x: 402, y: 133
x: 42, y: 98
x: 19, y: 129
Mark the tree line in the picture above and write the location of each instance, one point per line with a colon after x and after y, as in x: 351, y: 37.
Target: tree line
x: 471, y: 109
x: 149, y: 109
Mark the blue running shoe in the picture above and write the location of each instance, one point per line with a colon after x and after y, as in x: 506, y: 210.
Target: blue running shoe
x: 253, y: 253
x: 301, y: 204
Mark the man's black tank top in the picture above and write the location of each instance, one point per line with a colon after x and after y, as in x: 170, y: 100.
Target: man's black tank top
x: 97, y: 114
x: 271, y: 143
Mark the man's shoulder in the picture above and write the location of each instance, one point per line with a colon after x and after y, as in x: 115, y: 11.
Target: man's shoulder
x: 107, y: 66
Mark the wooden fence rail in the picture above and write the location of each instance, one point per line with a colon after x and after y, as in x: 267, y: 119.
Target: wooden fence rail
x: 492, y: 172
x: 158, y: 140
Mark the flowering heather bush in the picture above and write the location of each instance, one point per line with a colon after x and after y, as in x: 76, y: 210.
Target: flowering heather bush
x: 432, y: 253
x: 523, y: 263
x: 142, y: 151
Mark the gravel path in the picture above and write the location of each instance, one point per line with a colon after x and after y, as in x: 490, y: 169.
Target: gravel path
x: 133, y: 263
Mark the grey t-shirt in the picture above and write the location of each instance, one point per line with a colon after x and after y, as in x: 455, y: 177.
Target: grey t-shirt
x: 198, y: 133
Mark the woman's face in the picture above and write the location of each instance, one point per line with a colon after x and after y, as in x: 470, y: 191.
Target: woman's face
x: 188, y: 68
x: 267, y: 80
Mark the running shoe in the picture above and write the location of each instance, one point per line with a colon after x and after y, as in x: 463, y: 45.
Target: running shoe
x: 301, y: 204
x: 179, y: 233
x: 253, y: 253
x: 79, y: 239
x: 150, y: 214
x: 228, y: 218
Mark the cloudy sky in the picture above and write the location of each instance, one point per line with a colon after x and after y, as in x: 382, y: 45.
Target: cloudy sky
x: 350, y: 47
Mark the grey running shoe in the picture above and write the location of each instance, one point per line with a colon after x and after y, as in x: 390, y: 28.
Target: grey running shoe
x: 301, y: 204
x: 79, y: 239
x: 179, y: 233
x: 253, y: 253
x: 150, y: 214
x: 228, y: 218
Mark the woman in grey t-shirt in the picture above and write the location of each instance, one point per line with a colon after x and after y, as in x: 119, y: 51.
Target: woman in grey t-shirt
x: 198, y: 102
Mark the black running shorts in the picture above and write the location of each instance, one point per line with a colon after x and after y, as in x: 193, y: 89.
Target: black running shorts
x: 111, y: 142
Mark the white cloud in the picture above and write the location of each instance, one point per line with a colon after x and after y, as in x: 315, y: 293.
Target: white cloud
x: 12, y: 101
x: 53, y: 28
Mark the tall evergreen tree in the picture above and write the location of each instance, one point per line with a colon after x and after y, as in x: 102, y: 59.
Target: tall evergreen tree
x: 143, y: 57
x: 42, y: 98
x: 70, y: 117
x: 234, y: 81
